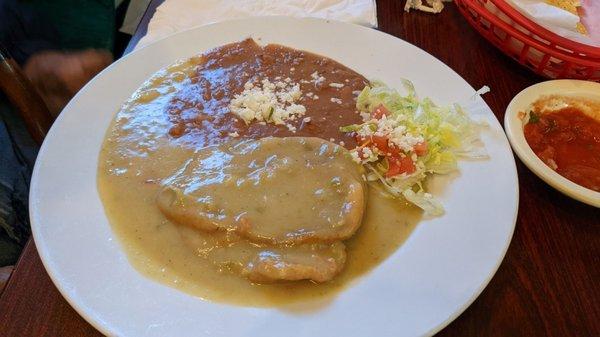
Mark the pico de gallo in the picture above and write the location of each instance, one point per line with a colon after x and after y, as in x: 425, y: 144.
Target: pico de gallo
x: 403, y: 140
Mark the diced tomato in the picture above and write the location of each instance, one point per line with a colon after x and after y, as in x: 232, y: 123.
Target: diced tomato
x: 362, y: 141
x: 380, y: 143
x: 384, y: 146
x: 399, y: 165
x: 421, y: 149
x: 380, y: 111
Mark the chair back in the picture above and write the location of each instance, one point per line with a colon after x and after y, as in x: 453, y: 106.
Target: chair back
x: 24, y: 97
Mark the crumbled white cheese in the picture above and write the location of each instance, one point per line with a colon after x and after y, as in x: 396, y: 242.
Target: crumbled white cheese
x: 268, y: 102
x: 233, y: 134
x: 306, y: 120
x: 356, y: 92
x: 342, y: 143
x: 292, y: 69
x: 310, y: 94
x: 336, y: 100
x: 406, y: 141
x: 367, y: 155
x: 291, y: 127
x: 332, y: 140
x: 336, y: 85
x: 317, y: 78
x: 315, y: 97
x: 397, y: 135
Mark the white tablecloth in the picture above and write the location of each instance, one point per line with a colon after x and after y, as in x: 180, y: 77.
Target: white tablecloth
x: 176, y: 15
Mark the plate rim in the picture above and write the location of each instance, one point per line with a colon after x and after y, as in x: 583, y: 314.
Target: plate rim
x: 104, y: 328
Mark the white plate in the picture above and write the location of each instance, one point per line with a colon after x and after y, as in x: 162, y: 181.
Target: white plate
x: 514, y: 129
x: 424, y: 285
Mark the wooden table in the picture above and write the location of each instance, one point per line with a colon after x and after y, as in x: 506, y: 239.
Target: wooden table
x: 548, y: 282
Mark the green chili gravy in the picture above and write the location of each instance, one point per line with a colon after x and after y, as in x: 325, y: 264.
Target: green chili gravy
x: 180, y: 115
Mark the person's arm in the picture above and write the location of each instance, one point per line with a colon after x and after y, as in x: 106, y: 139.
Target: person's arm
x: 24, y: 31
x: 32, y: 42
x: 58, y: 76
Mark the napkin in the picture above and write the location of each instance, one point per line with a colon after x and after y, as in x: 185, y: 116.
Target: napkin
x: 590, y: 17
x: 556, y: 20
x: 176, y: 15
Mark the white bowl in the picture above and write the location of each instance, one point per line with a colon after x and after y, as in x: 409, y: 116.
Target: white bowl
x: 514, y: 130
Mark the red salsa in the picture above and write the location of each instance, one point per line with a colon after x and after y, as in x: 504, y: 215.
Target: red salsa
x: 568, y: 141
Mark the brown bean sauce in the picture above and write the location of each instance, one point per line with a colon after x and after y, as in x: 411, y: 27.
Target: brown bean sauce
x: 200, y: 114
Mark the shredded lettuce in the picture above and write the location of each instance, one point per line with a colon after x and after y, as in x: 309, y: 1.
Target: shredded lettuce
x: 424, y: 200
x: 448, y: 131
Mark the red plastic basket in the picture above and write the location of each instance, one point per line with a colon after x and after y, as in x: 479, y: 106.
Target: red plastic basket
x: 530, y: 44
